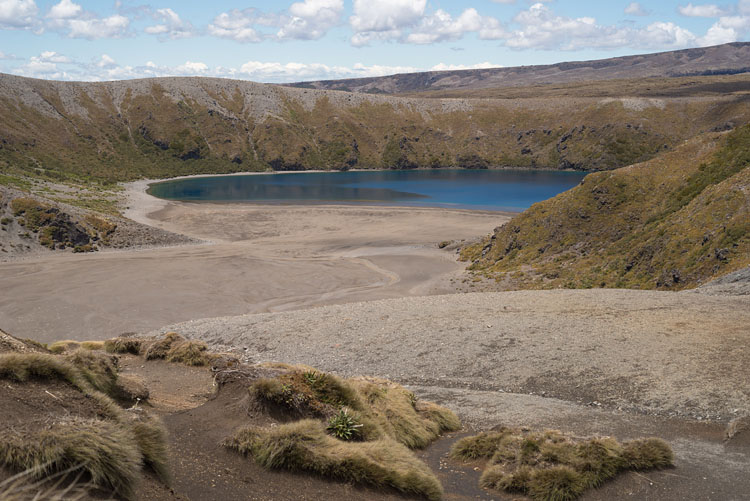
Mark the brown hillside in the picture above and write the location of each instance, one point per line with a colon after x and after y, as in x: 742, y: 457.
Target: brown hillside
x: 115, y: 131
x: 674, y: 222
x: 725, y: 59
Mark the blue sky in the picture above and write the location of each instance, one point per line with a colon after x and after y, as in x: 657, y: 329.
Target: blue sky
x: 284, y: 41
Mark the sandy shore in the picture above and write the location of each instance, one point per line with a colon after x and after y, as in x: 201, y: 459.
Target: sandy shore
x: 258, y: 259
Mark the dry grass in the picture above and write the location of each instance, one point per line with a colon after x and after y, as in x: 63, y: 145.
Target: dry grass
x: 152, y: 440
x: 160, y: 348
x: 551, y: 466
x: 110, y: 450
x: 384, y: 409
x: 193, y: 353
x: 736, y: 426
x: 107, y: 453
x: 132, y: 345
x: 24, y: 366
x: 378, y: 422
x: 400, y: 415
x: 98, y: 369
x: 71, y: 345
x: 56, y: 487
x: 305, y: 446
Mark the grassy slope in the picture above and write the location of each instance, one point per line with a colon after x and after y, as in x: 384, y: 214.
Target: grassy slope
x: 672, y: 222
x: 121, y: 131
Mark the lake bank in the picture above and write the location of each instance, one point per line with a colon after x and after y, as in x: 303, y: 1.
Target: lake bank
x: 260, y: 258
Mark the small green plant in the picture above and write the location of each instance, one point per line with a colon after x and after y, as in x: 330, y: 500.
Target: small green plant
x: 343, y: 425
x: 312, y: 378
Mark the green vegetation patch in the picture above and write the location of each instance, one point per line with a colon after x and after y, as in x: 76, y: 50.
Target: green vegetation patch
x: 551, y: 466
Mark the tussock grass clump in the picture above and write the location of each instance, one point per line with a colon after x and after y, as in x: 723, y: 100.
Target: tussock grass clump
x: 648, y: 453
x: 483, y: 445
x: 106, y: 452
x: 111, y: 450
x: 551, y: 466
x: 363, y: 431
x: 383, y: 408
x: 160, y: 348
x: 98, y: 369
x: 400, y: 415
x: 151, y: 437
x: 71, y: 345
x: 194, y: 353
x: 307, y: 393
x: 132, y: 345
x: 305, y: 446
x: 24, y: 366
x: 57, y: 487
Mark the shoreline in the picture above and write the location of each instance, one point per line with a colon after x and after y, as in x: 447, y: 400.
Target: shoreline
x: 139, y: 203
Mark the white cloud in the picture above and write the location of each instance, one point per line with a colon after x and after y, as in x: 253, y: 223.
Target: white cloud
x: 636, y: 9
x: 236, y: 25
x: 170, y: 25
x: 106, y: 62
x: 109, y: 27
x: 106, y: 68
x: 65, y: 10
x: 441, y: 26
x: 663, y: 36
x: 311, y: 19
x: 383, y: 19
x: 50, y: 56
x: 541, y: 28
x: 454, y: 67
x: 726, y: 29
x: 45, y: 66
x: 708, y: 10
x: 192, y: 68
x: 18, y: 13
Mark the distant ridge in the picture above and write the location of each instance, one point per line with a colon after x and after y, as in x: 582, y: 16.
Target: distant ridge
x: 727, y: 59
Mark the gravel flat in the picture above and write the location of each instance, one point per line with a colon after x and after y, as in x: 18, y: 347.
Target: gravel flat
x: 658, y: 353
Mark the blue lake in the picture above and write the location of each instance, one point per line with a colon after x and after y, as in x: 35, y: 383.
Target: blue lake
x: 503, y: 189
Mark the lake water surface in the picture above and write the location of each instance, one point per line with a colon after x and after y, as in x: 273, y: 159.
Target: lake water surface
x: 503, y: 189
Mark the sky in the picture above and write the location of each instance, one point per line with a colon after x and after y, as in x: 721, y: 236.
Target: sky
x: 284, y: 41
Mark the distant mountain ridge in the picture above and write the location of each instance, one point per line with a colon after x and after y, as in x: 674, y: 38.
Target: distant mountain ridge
x: 724, y: 59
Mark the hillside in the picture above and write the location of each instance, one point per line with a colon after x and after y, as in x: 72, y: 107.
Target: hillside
x: 671, y: 223
x: 116, y: 131
x: 724, y: 59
